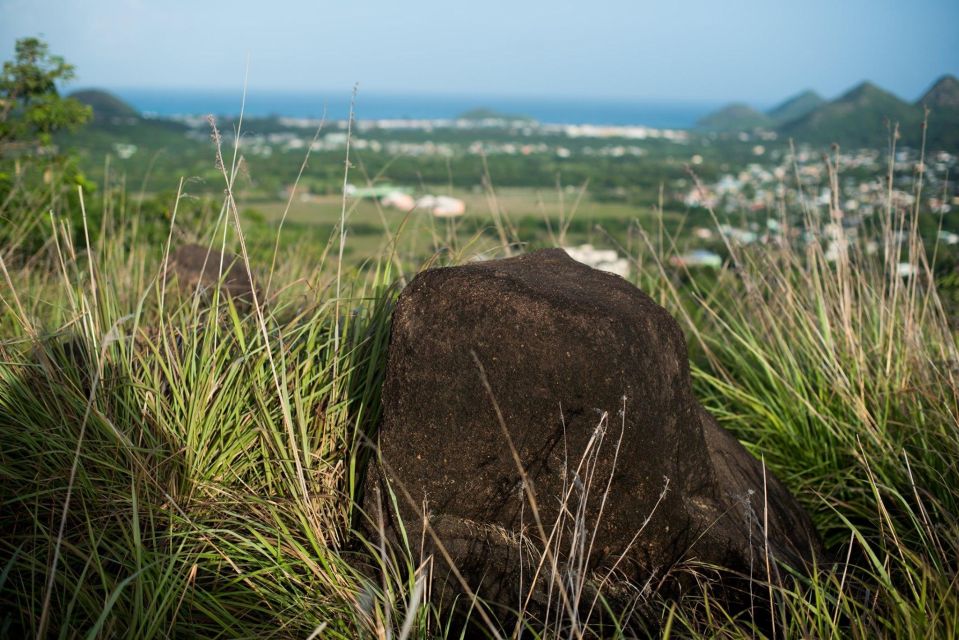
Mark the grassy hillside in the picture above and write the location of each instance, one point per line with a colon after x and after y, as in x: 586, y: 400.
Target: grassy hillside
x: 734, y: 117
x: 942, y: 100
x: 106, y: 106
x: 173, y: 469
x: 862, y: 117
x: 795, y: 107
x: 943, y: 94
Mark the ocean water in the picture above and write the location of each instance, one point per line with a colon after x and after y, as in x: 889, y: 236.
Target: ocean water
x: 372, y: 106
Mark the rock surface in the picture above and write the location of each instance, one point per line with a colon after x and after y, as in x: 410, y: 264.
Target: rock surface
x: 199, y: 267
x: 591, y: 379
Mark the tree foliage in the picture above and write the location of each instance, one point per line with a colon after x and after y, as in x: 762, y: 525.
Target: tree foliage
x: 35, y: 176
x: 31, y: 108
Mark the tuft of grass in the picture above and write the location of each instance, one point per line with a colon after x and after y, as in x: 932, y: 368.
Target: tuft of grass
x: 148, y: 468
x: 842, y: 376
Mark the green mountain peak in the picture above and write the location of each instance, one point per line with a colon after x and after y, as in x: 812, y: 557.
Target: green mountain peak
x: 795, y: 107
x: 734, y: 117
x: 106, y: 106
x: 944, y: 93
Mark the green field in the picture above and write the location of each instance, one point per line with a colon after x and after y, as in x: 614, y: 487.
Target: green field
x: 529, y: 218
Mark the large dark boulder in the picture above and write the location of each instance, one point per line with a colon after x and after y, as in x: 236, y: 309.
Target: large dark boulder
x: 591, y: 381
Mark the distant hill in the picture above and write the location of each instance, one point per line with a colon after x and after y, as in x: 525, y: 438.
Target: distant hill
x: 734, y: 117
x: 107, y: 108
x: 795, y: 107
x: 942, y: 100
x: 118, y: 126
x: 944, y: 94
x: 858, y: 118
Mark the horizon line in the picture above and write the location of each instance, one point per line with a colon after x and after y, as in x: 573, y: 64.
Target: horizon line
x: 346, y: 93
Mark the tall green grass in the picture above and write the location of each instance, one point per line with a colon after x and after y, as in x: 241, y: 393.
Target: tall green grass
x: 173, y: 466
x: 175, y: 471
x: 842, y: 376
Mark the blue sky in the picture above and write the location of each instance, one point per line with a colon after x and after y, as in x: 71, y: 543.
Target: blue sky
x: 753, y: 50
